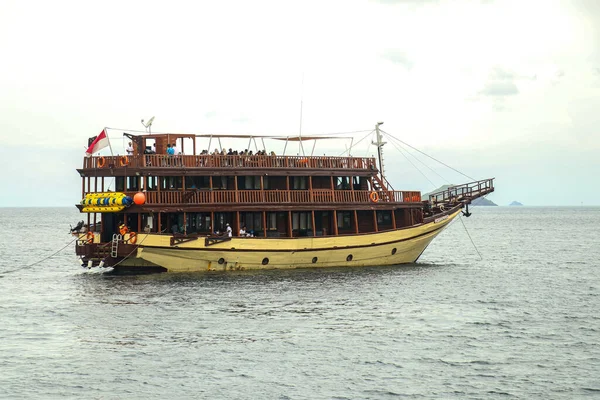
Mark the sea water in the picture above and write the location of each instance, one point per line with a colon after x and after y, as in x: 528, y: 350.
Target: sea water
x: 522, y: 321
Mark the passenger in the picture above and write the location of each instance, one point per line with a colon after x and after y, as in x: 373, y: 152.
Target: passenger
x: 129, y: 149
x: 244, y: 233
x: 175, y: 153
x: 228, y: 230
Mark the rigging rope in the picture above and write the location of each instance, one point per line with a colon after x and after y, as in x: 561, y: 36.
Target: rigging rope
x: 355, y: 144
x: 419, y: 160
x: 417, y: 168
x: 427, y: 155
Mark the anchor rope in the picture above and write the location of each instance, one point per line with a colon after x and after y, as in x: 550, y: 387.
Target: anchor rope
x: 51, y: 255
x: 470, y: 238
x: 39, y: 261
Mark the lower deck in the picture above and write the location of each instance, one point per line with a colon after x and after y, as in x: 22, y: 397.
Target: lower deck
x: 196, y: 253
x: 271, y: 224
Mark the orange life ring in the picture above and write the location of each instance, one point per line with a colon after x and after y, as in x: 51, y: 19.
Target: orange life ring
x: 124, y: 161
x: 132, y: 237
x: 374, y: 197
x: 101, y: 162
x: 89, y: 238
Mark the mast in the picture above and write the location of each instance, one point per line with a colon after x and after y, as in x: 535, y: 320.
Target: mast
x: 379, y: 143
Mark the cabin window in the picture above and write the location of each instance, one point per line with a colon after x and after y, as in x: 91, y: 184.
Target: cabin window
x: 171, y: 182
x: 252, y: 221
x: 221, y: 221
x: 198, y: 222
x: 301, y: 220
x: 342, y: 183
x: 197, y: 182
x: 133, y: 183
x: 152, y: 183
x: 119, y: 183
x: 252, y: 182
x: 344, y: 220
x: 299, y: 182
x: 271, y: 221
x: 220, y: 182
x: 384, y: 217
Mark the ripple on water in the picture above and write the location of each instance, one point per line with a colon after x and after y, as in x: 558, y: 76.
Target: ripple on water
x: 521, y: 323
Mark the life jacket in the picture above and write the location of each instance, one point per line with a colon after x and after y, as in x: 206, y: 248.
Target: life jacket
x: 123, y: 229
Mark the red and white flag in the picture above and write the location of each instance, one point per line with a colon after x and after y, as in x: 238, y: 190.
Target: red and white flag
x: 100, y: 142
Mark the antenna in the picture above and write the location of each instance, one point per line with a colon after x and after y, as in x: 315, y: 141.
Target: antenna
x: 300, y: 133
x: 379, y: 145
x: 148, y: 125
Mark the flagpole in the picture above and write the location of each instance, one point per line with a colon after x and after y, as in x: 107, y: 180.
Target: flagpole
x: 109, y: 145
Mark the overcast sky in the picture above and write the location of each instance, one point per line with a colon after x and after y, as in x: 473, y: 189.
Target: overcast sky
x: 505, y: 89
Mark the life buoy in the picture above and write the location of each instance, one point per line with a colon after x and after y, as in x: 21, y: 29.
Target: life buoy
x: 124, y: 161
x: 132, y: 237
x: 101, y: 162
x: 374, y: 197
x: 89, y: 238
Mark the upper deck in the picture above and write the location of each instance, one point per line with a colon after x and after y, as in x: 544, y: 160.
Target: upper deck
x: 231, y: 164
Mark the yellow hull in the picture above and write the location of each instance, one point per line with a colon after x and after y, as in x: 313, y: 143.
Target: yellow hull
x: 384, y: 248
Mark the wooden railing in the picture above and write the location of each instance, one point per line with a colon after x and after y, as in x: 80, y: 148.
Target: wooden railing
x: 218, y: 161
x: 469, y: 191
x: 276, y: 196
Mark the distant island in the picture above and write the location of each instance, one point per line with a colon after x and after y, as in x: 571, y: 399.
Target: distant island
x: 482, y: 201
x: 515, y: 203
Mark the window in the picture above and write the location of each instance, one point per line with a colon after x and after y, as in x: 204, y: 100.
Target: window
x: 171, y: 182
x: 251, y: 182
x: 272, y: 221
x: 152, y: 183
x: 219, y: 182
x: 342, y: 183
x: 384, y: 217
x: 252, y: 221
x: 299, y: 182
x: 301, y: 220
x: 133, y: 183
x: 119, y: 183
x: 344, y: 220
x: 198, y: 222
x: 197, y: 182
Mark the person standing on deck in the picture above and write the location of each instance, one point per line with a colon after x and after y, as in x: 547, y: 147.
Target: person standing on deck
x: 129, y: 149
x: 228, y: 230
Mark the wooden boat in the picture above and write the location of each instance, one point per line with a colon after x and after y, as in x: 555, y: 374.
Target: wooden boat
x: 302, y: 211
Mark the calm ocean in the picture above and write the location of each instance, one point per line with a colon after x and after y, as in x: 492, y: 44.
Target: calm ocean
x: 523, y: 322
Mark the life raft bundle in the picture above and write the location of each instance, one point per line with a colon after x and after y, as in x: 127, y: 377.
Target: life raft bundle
x: 105, y: 202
